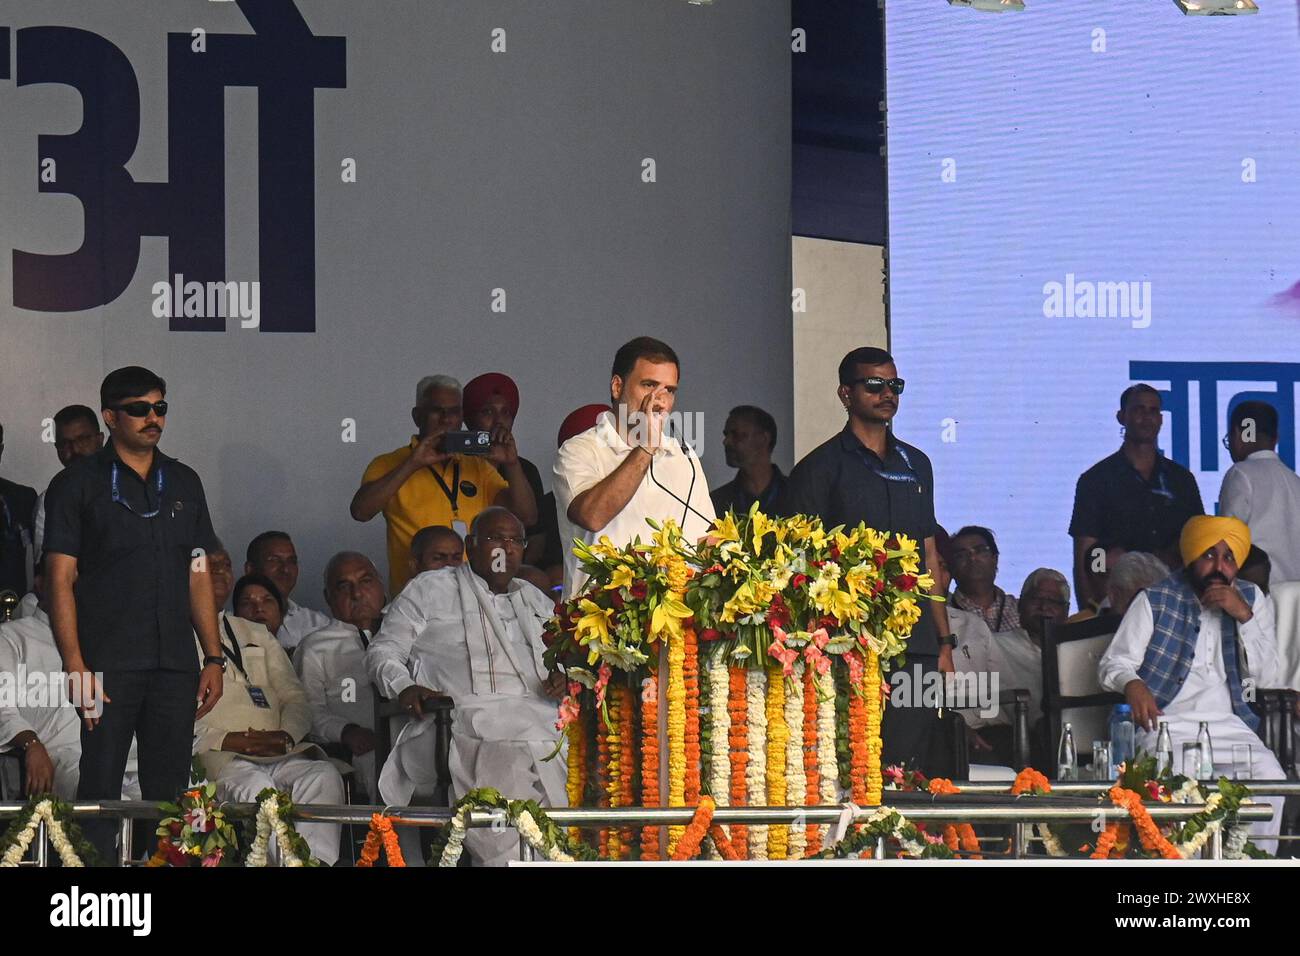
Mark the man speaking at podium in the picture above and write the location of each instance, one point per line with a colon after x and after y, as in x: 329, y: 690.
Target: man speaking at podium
x: 629, y: 467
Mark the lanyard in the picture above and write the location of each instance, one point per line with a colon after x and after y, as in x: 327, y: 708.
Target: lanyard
x: 907, y: 476
x: 365, y: 641
x: 233, y: 650
x: 1002, y: 606
x: 118, y: 499
x: 452, y: 493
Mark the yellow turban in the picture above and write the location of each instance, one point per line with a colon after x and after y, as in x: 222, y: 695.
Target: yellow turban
x: 1203, y: 532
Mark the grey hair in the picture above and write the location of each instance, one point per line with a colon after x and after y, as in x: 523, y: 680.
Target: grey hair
x: 1039, y: 575
x: 434, y: 381
x: 1136, y: 570
x: 490, y: 512
x: 332, y: 565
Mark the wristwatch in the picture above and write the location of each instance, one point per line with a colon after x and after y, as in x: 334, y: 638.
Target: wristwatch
x: 213, y: 659
x: 948, y: 640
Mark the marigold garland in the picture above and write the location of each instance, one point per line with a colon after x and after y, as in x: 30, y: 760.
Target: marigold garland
x: 738, y: 744
x: 725, y: 846
x: 1153, y: 841
x: 381, y: 834
x: 719, y: 730
x: 576, y: 782
x: 689, y: 845
x: 875, y: 705
x: 958, y: 834
x: 627, y: 759
x: 691, y: 742
x: 812, y: 776
x: 650, y: 762
x: 756, y: 770
x: 827, y: 757
x: 602, y: 779
x: 796, y: 783
x: 778, y: 736
x: 614, y: 777
x: 1106, y: 842
x: 1030, y: 780
x: 858, y: 758
x: 676, y: 731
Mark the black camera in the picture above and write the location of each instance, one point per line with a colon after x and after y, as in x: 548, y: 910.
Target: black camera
x: 467, y: 443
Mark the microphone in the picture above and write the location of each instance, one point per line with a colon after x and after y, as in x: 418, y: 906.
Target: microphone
x: 686, y: 502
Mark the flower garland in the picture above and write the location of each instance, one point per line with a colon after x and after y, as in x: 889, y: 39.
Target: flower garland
x: 275, y: 816
x: 875, y: 704
x: 1106, y: 842
x: 67, y: 840
x: 195, y: 831
x: 778, y: 736
x: 576, y: 782
x: 841, y: 697
x: 676, y: 731
x: 858, y: 758
x: 1030, y: 781
x: 811, y: 772
x: 1153, y: 841
x: 738, y: 745
x: 691, y: 734
x: 960, y: 834
x: 756, y: 768
x: 602, y: 778
x: 381, y: 834
x: 613, y: 777
x: 828, y: 768
x: 627, y: 760
x: 649, y: 763
x: 890, y: 824
x: 537, y: 829
x: 689, y: 845
x: 796, y: 789
x: 719, y: 730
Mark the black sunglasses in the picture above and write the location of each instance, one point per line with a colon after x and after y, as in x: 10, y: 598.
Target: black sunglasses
x: 875, y: 385
x: 141, y: 409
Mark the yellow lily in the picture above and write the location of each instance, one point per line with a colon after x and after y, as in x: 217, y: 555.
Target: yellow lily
x: 622, y: 578
x: 593, y: 626
x: 668, y: 617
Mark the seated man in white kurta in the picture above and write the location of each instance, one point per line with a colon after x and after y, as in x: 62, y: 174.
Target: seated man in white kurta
x: 473, y: 632
x: 1192, y: 647
x: 251, y: 739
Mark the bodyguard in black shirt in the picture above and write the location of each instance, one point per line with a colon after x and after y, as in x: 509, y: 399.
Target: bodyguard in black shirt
x: 126, y: 537
x: 17, y: 505
x: 866, y: 474
x: 1134, y: 500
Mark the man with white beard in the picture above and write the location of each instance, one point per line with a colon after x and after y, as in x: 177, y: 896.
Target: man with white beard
x: 473, y: 632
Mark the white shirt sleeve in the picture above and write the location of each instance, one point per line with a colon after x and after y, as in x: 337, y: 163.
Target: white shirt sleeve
x: 1259, y: 639
x: 12, y: 722
x: 310, y: 665
x: 577, y: 469
x: 389, y: 654
x: 1120, y: 663
x: 1234, y: 495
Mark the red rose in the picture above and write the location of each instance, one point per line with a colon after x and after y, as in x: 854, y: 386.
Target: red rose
x: 892, y: 543
x: 617, y: 600
x: 829, y: 622
x: 638, y: 590
x: 877, y: 587
x: 175, y: 828
x: 799, y: 580
x: 549, y: 637
x: 835, y: 552
x: 709, y: 634
x: 905, y: 582
x: 880, y: 558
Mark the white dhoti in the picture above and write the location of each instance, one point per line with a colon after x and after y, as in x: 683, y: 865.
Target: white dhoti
x: 306, y: 781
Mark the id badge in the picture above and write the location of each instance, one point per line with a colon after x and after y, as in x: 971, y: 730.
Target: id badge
x: 259, y: 697
x: 459, y: 527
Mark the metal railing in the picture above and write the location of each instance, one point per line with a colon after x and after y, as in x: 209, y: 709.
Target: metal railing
x: 1019, y: 813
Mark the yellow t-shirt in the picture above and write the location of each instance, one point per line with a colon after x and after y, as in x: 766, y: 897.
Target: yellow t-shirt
x: 473, y: 481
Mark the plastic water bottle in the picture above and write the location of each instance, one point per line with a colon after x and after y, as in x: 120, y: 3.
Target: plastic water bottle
x: 1067, y: 763
x: 1207, y: 752
x: 1164, y: 750
x: 1121, y: 738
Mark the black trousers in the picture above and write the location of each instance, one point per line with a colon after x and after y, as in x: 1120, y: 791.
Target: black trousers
x: 155, y: 707
x: 916, y: 737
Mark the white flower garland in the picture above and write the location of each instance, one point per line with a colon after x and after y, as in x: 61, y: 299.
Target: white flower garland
x: 720, y: 732
x: 796, y: 781
x: 268, y: 822
x: 1051, y: 843
x: 456, y: 837
x: 522, y: 821
x: 756, y: 771
x: 828, y: 768
x: 532, y: 834
x: 58, y: 838
x: 1192, y: 847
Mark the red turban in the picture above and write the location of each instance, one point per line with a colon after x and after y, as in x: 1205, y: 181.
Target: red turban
x: 579, y: 420
x: 483, y: 388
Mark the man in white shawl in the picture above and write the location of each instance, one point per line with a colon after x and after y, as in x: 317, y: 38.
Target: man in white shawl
x: 473, y: 632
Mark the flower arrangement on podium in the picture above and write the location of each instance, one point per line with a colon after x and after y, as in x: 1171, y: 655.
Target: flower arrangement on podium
x: 748, y: 668
x: 195, y: 831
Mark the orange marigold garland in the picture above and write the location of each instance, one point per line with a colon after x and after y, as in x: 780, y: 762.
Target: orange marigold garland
x: 959, y: 834
x: 875, y: 705
x: 691, y: 741
x: 725, y: 847
x: 576, y: 784
x: 777, y: 737
x: 689, y: 845
x: 858, y: 743
x: 1106, y: 842
x: 811, y: 775
x: 738, y: 740
x: 1030, y: 780
x: 1153, y: 841
x: 627, y: 759
x: 650, y: 762
x: 381, y: 834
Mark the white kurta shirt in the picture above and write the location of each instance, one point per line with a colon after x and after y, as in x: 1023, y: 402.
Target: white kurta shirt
x: 585, y: 459
x: 29, y: 643
x: 331, y: 663
x: 298, y: 622
x: 1263, y: 492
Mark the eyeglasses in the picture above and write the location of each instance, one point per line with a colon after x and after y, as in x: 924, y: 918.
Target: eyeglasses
x: 504, y: 540
x: 875, y: 384
x: 141, y: 409
x: 960, y: 554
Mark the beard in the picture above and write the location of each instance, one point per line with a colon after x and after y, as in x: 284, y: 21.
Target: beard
x: 1199, y: 584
